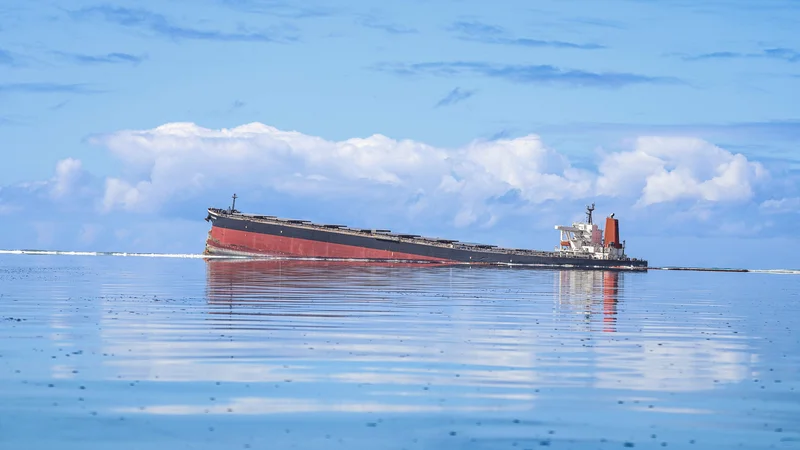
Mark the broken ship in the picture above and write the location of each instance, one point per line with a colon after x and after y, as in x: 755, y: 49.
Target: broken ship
x: 581, y: 245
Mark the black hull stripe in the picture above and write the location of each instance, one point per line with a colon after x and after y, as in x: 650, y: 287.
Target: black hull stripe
x: 451, y: 254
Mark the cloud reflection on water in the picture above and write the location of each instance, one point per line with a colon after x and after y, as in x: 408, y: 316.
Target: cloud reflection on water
x: 240, y: 352
x: 356, y: 335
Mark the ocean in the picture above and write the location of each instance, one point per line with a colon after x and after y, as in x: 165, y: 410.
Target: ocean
x: 181, y: 352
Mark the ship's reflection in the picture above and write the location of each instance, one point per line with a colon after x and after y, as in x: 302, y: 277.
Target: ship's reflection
x: 589, y: 293
x: 335, y: 288
x: 232, y: 282
x: 268, y: 293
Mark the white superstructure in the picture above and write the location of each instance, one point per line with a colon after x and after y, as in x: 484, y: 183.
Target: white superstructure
x: 587, y: 239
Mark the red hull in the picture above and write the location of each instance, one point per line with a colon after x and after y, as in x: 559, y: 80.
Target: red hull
x: 234, y: 241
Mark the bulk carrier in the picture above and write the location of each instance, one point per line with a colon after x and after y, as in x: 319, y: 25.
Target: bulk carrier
x: 233, y: 233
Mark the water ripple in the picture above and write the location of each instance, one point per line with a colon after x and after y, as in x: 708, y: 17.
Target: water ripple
x: 221, y: 353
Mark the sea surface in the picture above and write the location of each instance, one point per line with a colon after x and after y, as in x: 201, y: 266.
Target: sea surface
x: 124, y: 352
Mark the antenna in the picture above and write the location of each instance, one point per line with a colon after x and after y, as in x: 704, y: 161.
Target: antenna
x: 589, y: 210
x: 233, y: 206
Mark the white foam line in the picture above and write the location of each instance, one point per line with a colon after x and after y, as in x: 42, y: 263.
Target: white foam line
x: 252, y: 257
x: 777, y: 271
x: 162, y: 255
x: 729, y: 270
x: 140, y: 255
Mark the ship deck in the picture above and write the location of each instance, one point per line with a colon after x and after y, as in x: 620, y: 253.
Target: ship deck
x: 388, y: 235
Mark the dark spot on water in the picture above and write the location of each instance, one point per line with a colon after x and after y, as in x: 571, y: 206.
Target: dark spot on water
x: 628, y: 444
x: 372, y: 424
x: 452, y: 433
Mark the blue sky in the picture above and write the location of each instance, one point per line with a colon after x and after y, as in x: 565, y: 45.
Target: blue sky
x: 495, y: 120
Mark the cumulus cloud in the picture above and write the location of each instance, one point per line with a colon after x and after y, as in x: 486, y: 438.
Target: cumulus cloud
x: 71, y: 187
x: 511, y: 184
x: 178, y: 169
x: 183, y: 160
x: 522, y: 165
x: 69, y: 177
x: 666, y: 169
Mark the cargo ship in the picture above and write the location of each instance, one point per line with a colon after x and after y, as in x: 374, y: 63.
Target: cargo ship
x: 234, y: 233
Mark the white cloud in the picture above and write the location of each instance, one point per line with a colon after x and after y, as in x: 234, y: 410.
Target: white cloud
x: 666, y: 169
x: 509, y: 184
x: 183, y: 160
x: 69, y: 176
x: 70, y: 189
x: 477, y: 184
x: 778, y: 206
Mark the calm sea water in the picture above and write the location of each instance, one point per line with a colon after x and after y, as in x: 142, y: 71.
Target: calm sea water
x: 165, y: 353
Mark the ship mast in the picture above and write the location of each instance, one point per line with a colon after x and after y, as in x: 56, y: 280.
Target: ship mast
x: 589, y: 210
x: 233, y: 205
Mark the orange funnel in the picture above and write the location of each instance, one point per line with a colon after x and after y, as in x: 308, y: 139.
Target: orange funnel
x: 612, y: 233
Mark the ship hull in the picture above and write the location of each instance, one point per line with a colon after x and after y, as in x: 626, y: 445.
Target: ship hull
x: 249, y: 243
x: 237, y: 236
